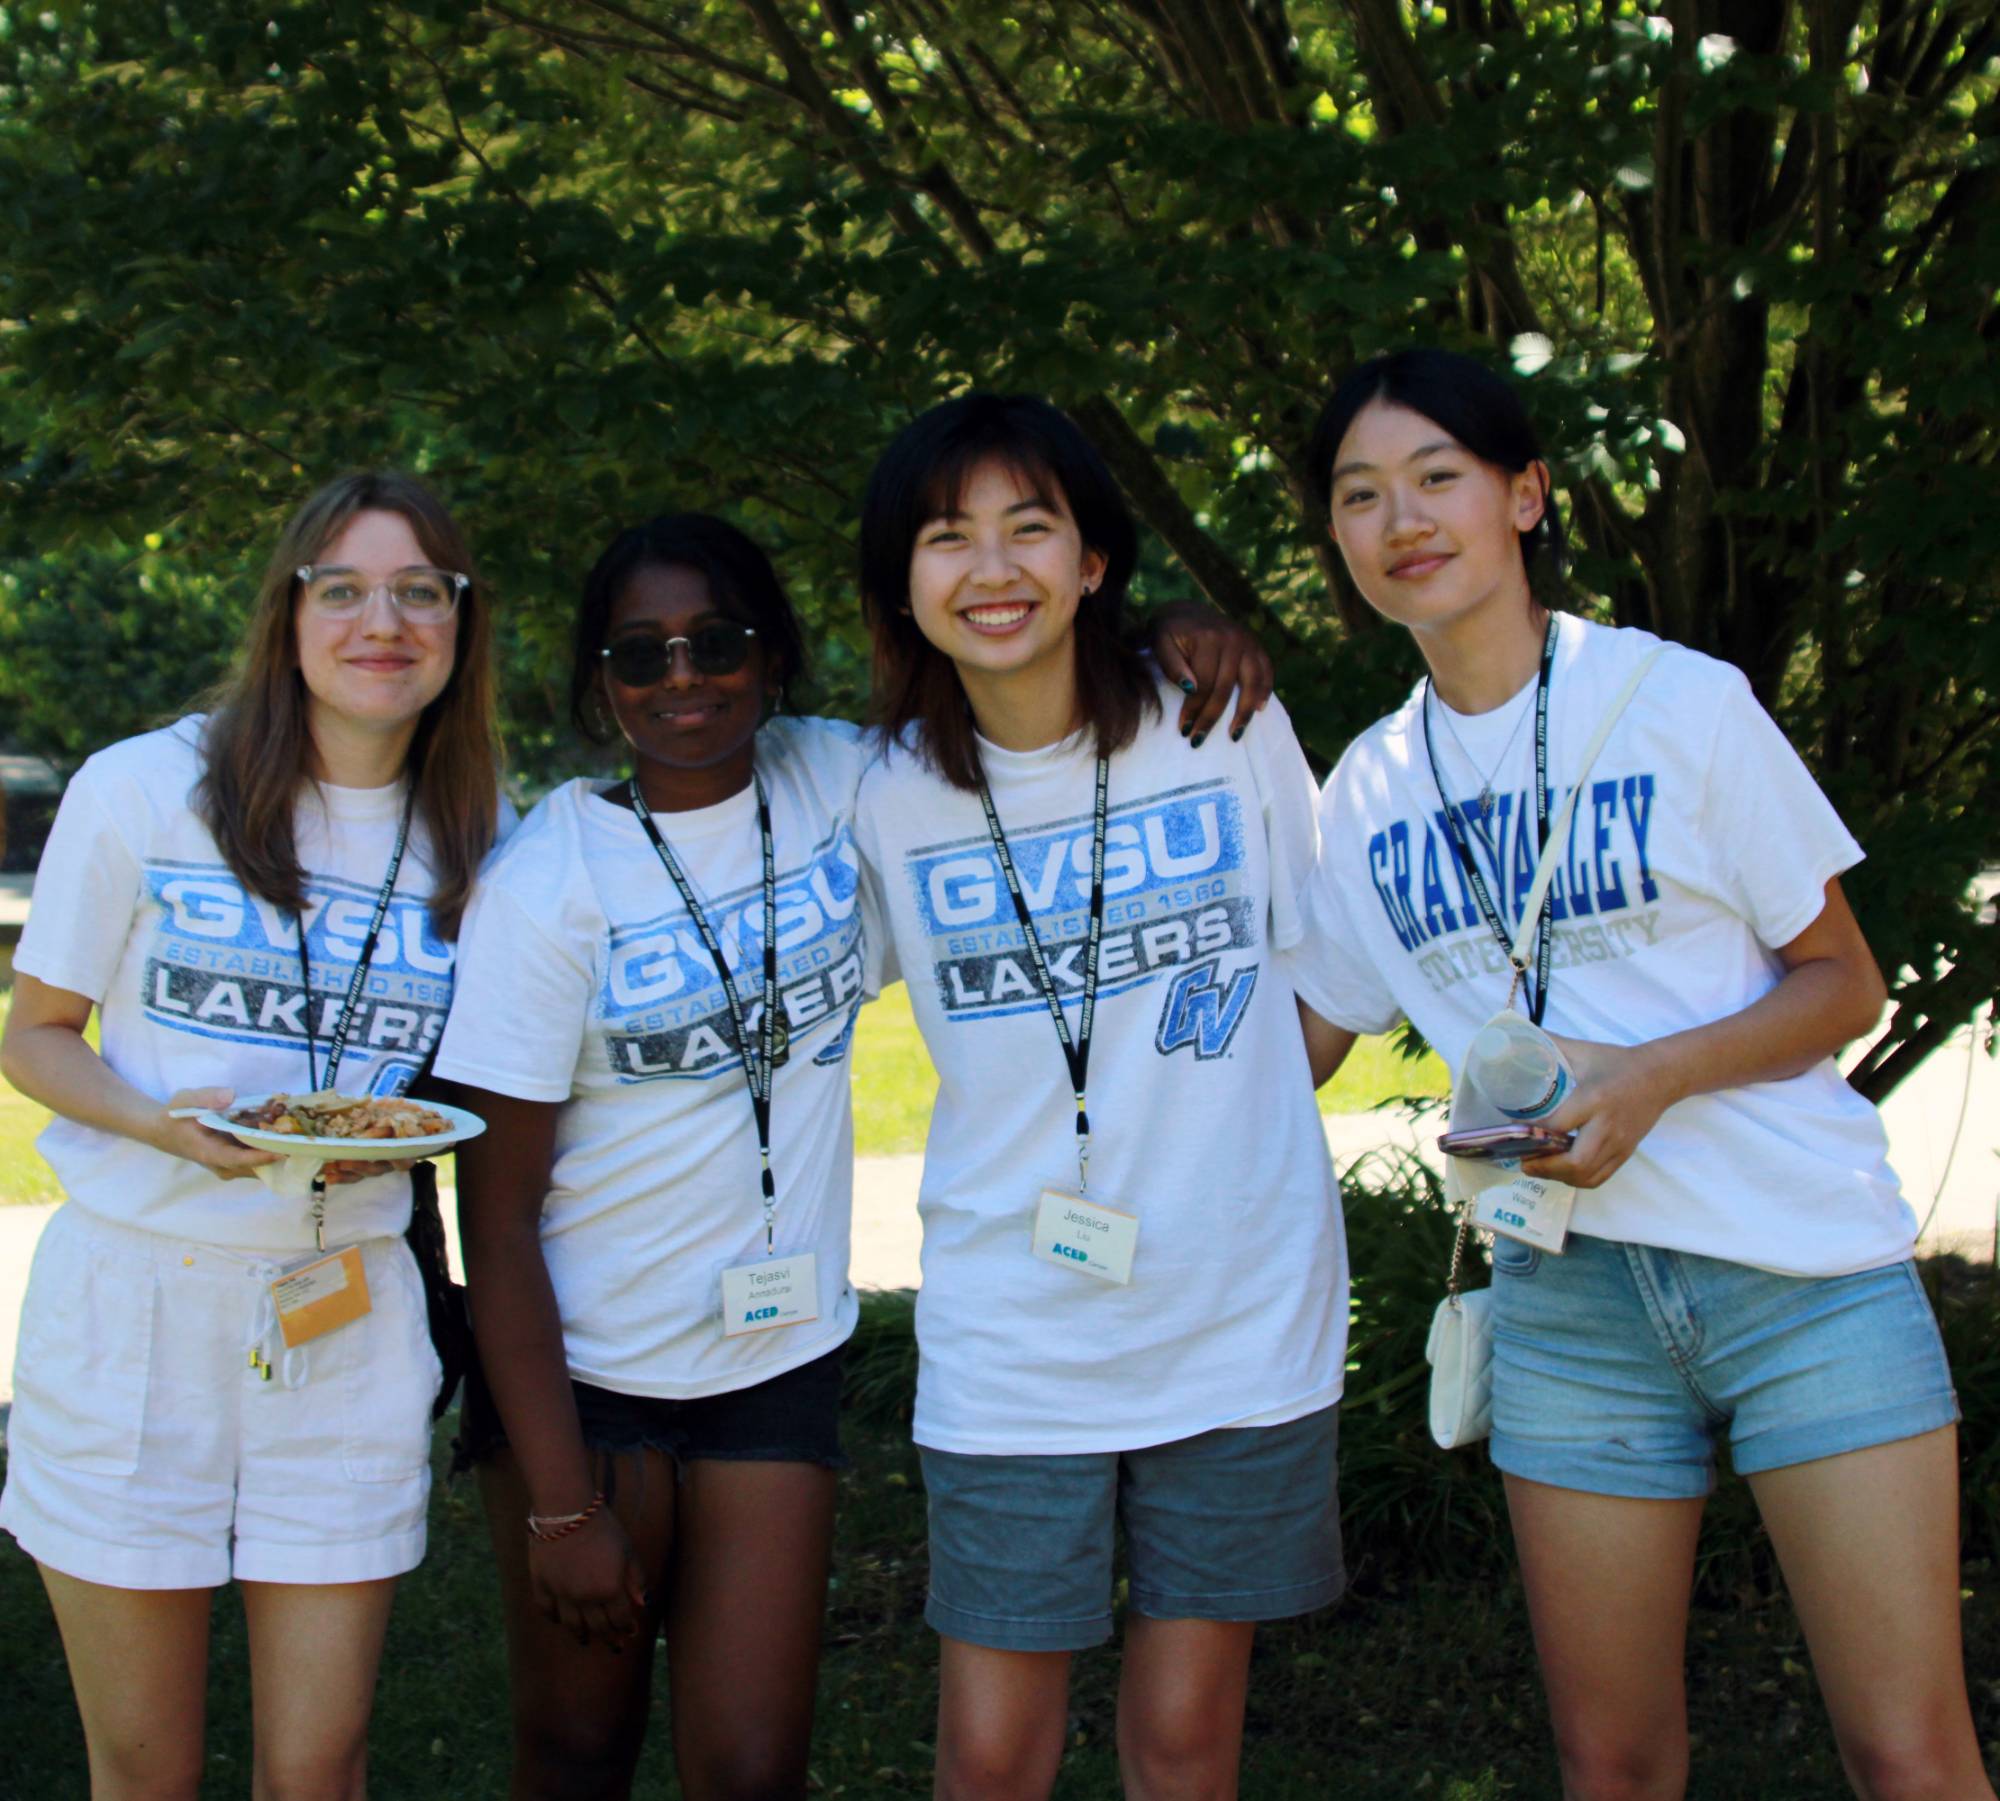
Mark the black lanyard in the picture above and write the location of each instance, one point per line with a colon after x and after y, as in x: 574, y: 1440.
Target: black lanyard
x: 344, y: 1022
x: 1075, y: 1049
x: 758, y: 1066
x: 1537, y: 987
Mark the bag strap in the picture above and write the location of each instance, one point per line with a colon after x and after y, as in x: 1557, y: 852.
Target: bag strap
x: 1545, y: 871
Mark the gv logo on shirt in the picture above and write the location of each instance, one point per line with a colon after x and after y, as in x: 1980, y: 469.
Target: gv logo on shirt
x: 1202, y: 1013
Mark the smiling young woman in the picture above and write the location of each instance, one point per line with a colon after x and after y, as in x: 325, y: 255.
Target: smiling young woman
x: 164, y: 1437
x: 1132, y: 1310
x: 650, y: 1461
x: 1738, y: 1261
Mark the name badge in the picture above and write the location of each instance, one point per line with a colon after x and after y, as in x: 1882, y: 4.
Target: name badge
x: 319, y: 1296
x: 778, y: 1291
x: 1086, y: 1236
x: 1528, y: 1208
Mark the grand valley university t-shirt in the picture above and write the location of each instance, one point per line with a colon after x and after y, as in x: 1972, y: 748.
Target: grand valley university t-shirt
x: 199, y: 982
x: 1201, y: 1106
x: 1699, y: 844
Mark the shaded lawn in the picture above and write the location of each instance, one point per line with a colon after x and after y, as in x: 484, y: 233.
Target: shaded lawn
x: 1408, y: 1688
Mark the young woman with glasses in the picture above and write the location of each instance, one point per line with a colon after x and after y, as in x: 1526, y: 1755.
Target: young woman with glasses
x: 1134, y: 1299
x: 1738, y: 1259
x: 164, y: 1437
x: 658, y: 994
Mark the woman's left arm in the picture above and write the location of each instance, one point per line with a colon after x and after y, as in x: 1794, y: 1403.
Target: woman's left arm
x: 1208, y: 656
x: 1830, y: 994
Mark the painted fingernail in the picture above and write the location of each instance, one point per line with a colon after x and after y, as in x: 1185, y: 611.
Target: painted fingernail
x: 1187, y: 687
x: 1194, y: 743
x: 1236, y: 731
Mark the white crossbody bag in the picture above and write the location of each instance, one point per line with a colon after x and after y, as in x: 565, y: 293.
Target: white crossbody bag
x: 1460, y: 1347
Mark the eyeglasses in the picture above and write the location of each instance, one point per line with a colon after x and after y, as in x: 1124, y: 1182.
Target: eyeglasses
x: 422, y: 595
x: 719, y: 648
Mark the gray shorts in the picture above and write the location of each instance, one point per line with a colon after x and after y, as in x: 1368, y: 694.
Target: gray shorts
x: 1242, y: 1523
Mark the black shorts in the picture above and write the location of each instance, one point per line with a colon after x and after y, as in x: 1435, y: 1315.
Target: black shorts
x: 791, y: 1418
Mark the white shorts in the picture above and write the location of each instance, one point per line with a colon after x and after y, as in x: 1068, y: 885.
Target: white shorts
x: 145, y: 1450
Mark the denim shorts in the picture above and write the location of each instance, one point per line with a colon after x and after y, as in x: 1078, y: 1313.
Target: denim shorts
x: 791, y: 1418
x: 1617, y: 1368
x: 1236, y: 1524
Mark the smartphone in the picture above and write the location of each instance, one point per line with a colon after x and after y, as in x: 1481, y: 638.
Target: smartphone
x: 1505, y: 1144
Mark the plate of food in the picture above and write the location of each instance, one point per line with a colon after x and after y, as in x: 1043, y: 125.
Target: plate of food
x: 348, y: 1127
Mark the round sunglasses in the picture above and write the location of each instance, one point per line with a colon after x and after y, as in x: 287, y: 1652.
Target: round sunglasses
x: 718, y: 648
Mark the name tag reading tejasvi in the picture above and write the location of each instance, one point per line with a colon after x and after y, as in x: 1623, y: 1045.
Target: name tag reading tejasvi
x: 318, y: 1296
x: 1085, y: 1235
x: 779, y: 1291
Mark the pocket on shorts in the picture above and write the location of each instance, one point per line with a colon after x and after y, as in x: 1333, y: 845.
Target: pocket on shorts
x: 389, y: 1373
x: 86, y: 1350
x: 1513, y: 1258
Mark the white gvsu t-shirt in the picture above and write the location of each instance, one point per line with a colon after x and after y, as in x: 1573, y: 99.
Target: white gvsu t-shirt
x: 1201, y: 1106
x: 199, y: 982
x: 1699, y: 844
x: 584, y: 981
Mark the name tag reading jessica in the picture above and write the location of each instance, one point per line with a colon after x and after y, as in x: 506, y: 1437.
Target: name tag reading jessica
x: 779, y: 1291
x: 316, y: 1297
x: 1085, y: 1235
x: 1528, y: 1208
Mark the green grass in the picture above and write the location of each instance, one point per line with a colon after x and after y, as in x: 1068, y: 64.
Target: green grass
x: 894, y: 1086
x: 894, y: 1083
x: 1410, y: 1687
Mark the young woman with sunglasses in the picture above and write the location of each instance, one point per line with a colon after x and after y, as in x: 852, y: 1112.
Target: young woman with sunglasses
x: 1134, y: 1297
x: 1738, y: 1260
x: 208, y: 890
x: 661, y: 977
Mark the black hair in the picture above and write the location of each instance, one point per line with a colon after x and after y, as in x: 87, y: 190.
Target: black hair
x: 741, y: 582
x: 923, y: 474
x: 1479, y: 408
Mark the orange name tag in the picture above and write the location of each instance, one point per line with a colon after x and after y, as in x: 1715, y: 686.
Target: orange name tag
x: 316, y: 1297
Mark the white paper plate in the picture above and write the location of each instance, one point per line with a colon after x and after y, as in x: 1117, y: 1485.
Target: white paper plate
x: 348, y: 1150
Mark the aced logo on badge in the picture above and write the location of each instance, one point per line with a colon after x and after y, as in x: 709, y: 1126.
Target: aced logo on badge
x: 1201, y: 1013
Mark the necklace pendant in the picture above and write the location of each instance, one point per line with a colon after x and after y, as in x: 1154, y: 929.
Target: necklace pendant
x: 1486, y: 803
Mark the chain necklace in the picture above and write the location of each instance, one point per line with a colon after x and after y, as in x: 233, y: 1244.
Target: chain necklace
x: 1490, y: 774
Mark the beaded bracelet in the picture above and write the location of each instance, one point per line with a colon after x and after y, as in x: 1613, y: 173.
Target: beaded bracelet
x: 550, y: 1526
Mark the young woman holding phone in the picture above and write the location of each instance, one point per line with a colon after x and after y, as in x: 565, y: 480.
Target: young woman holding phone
x: 1738, y: 1263
x: 208, y: 889
x: 1133, y: 1309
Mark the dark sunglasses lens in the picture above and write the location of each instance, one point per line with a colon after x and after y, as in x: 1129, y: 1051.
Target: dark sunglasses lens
x: 719, y: 649
x: 639, y: 662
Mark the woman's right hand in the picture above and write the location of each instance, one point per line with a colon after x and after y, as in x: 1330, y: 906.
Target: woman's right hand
x: 590, y: 1582
x: 216, y: 1152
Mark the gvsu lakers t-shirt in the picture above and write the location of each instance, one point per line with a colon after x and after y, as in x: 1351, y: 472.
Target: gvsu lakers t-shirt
x: 199, y: 982
x: 584, y: 981
x: 1201, y: 1106
x: 1699, y: 845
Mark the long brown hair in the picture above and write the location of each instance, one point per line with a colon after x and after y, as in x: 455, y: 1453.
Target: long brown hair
x: 257, y: 749
x: 923, y: 473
